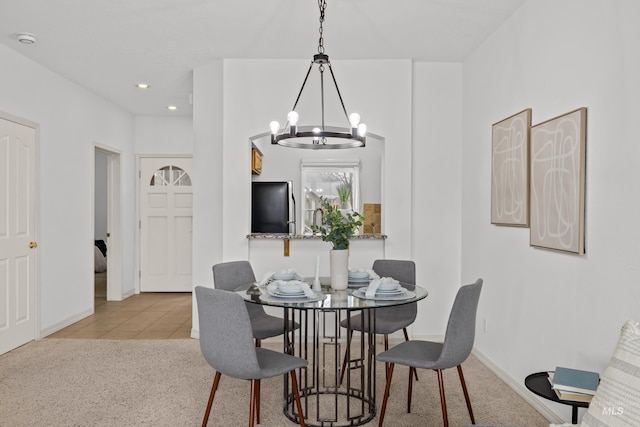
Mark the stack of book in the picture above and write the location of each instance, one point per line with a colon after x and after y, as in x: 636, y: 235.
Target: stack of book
x: 574, y: 384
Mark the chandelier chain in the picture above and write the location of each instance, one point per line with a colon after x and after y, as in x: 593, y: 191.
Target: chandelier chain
x: 322, y: 5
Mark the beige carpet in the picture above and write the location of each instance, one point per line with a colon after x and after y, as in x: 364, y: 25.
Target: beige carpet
x: 58, y: 382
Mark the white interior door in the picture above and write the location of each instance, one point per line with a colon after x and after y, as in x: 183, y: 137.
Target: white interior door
x: 166, y: 209
x: 108, y: 203
x: 17, y: 234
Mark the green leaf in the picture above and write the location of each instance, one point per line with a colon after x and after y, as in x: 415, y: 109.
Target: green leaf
x: 339, y: 229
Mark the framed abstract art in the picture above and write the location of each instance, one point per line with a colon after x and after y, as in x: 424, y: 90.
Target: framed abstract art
x: 510, y: 170
x: 558, y: 161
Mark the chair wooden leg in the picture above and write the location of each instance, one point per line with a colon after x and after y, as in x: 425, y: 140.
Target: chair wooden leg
x: 296, y: 394
x: 257, y: 401
x: 258, y: 343
x: 410, y: 389
x: 386, y: 394
x: 347, y: 355
x: 386, y: 347
x: 466, y: 394
x: 214, y: 387
x: 406, y: 338
x: 252, y: 403
x: 443, y: 401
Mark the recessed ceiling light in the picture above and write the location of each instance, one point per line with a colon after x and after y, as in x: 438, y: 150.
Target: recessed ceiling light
x: 143, y: 86
x: 172, y: 107
x: 26, y: 38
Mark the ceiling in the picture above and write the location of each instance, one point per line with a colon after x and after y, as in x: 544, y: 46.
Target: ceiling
x: 109, y: 46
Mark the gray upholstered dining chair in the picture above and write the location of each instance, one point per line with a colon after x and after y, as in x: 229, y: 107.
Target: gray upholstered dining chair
x: 229, y: 276
x: 226, y: 342
x: 457, y: 345
x: 390, y: 319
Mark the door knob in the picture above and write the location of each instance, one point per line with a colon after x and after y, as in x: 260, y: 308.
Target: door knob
x: 33, y: 245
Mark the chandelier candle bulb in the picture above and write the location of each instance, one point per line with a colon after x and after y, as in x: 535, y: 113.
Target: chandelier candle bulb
x: 362, y: 129
x: 354, y: 120
x: 292, y: 118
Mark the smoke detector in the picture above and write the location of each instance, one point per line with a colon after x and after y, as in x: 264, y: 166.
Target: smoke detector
x: 26, y: 38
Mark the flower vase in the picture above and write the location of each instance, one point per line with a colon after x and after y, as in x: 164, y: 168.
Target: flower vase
x: 339, y: 266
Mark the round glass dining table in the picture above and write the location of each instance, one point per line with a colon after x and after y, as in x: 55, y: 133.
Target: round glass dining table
x: 328, y: 400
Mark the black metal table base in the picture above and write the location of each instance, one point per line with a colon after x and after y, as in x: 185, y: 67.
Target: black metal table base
x: 325, y: 401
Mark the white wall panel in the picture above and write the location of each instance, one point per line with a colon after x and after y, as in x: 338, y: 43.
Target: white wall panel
x: 546, y: 308
x: 71, y: 121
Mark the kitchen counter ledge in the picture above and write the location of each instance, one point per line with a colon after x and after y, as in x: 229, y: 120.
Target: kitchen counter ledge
x: 277, y: 236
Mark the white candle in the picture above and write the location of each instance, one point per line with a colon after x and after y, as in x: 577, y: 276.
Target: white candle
x: 316, y: 282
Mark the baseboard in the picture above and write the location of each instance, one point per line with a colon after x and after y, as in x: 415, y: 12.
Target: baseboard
x: 67, y: 322
x: 126, y: 295
x: 519, y: 388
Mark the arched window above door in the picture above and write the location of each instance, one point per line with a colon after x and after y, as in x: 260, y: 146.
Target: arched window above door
x: 170, y: 176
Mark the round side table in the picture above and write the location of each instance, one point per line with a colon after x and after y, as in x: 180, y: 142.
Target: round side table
x: 539, y: 384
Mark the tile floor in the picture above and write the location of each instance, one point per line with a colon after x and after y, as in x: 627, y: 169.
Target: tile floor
x: 142, y: 316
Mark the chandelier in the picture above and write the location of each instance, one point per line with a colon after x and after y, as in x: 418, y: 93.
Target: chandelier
x: 319, y: 137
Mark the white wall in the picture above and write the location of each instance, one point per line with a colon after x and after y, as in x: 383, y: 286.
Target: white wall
x: 163, y: 135
x: 545, y: 308
x: 436, y: 176
x: 71, y: 121
x: 207, y: 175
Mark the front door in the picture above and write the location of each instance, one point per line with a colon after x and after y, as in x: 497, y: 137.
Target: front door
x: 166, y: 201
x: 17, y: 234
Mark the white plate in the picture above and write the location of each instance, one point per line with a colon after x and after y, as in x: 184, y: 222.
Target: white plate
x: 289, y: 299
x: 389, y: 291
x: 358, y: 275
x: 356, y: 284
x: 281, y: 295
x: 290, y: 289
x: 404, y: 295
x: 355, y: 280
x: 284, y: 276
x: 396, y: 292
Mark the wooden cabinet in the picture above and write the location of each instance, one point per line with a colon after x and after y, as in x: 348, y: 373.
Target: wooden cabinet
x: 256, y: 161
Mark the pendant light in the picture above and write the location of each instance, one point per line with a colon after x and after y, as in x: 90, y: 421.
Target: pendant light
x: 319, y: 136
